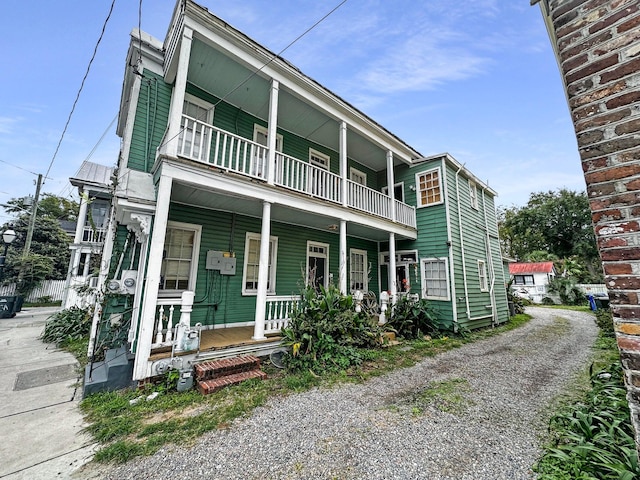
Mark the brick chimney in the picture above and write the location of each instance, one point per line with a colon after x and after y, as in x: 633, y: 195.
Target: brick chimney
x: 597, y: 45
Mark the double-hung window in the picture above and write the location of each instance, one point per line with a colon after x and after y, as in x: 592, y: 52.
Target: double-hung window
x: 194, y: 140
x: 473, y: 194
x: 435, y: 278
x: 252, y: 264
x: 482, y: 276
x: 358, y: 270
x: 429, y: 186
x: 180, y: 257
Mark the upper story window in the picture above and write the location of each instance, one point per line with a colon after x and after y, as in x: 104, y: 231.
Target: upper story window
x: 259, y: 155
x: 523, y: 279
x: 252, y: 264
x: 482, y: 276
x: 473, y: 194
x: 195, y: 136
x: 180, y: 257
x: 398, y: 191
x: 429, y: 187
x: 319, y: 159
x: 357, y: 176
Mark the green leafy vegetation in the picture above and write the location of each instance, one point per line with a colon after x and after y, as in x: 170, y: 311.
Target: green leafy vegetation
x: 414, y: 319
x: 66, y: 326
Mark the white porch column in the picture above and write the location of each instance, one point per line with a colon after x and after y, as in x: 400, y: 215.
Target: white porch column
x: 343, y: 258
x: 177, y: 96
x: 87, y: 262
x: 263, y: 273
x: 152, y: 279
x: 272, y: 131
x: 390, y: 182
x: 82, y: 217
x: 393, y: 288
x: 343, y: 163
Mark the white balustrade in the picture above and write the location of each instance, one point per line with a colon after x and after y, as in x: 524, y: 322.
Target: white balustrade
x: 164, y: 322
x: 368, y: 200
x: 93, y: 235
x: 278, y: 312
x: 405, y: 214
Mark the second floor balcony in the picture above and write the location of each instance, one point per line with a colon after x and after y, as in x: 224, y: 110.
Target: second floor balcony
x: 205, y: 143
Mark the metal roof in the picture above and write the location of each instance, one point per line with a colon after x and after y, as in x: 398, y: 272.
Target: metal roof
x: 530, y: 267
x: 92, y: 174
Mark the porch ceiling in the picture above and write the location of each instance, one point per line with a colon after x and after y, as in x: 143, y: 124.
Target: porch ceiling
x: 189, y: 194
x: 220, y: 75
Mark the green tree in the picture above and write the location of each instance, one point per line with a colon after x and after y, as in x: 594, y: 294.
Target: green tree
x: 556, y: 222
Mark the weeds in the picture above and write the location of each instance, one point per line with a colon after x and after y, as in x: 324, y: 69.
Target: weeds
x: 67, y: 326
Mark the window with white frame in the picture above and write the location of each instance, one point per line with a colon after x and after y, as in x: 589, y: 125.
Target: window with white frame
x: 429, y: 188
x: 482, y: 276
x: 259, y: 155
x: 252, y: 264
x: 319, y: 159
x: 523, y: 279
x: 473, y: 194
x: 180, y: 257
x: 398, y: 191
x: 317, y: 264
x: 194, y: 138
x: 435, y: 278
x: 357, y: 176
x: 318, y: 179
x: 358, y: 266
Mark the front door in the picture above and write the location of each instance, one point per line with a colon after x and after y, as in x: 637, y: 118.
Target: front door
x: 317, y: 264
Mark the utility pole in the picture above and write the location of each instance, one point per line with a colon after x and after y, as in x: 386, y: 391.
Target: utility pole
x: 32, y: 220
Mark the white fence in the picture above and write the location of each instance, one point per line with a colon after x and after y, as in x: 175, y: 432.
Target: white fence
x: 49, y: 288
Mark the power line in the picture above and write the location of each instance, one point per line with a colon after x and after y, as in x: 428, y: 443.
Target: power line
x: 19, y: 168
x: 95, y: 50
x: 253, y: 74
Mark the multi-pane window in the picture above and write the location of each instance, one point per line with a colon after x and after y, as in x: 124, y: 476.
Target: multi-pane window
x: 252, y: 264
x: 357, y: 176
x: 523, y: 279
x: 358, y: 270
x: 398, y: 191
x: 473, y: 194
x: 482, y: 276
x: 194, y: 139
x: 435, y: 279
x: 429, y: 188
x: 181, y: 244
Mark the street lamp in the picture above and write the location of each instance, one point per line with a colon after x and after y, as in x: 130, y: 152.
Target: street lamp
x: 8, y: 236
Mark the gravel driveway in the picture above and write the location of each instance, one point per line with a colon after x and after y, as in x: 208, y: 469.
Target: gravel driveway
x: 385, y: 429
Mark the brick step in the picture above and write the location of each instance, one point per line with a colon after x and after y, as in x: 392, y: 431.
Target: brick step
x: 226, y: 366
x: 205, y: 387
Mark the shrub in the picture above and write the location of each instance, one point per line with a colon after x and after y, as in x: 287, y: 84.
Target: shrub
x: 548, y: 301
x: 67, y: 325
x: 604, y: 320
x: 325, y: 333
x: 413, y: 319
x: 569, y: 293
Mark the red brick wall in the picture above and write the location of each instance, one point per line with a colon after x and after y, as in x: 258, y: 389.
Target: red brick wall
x: 598, y: 46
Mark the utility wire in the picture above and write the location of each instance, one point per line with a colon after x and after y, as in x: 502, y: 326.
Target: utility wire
x: 95, y: 50
x: 19, y: 168
x: 253, y: 74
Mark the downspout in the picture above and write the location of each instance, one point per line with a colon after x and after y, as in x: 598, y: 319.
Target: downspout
x: 492, y: 273
x: 454, y: 300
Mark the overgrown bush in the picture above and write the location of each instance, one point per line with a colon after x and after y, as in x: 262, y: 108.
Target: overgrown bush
x: 604, y: 320
x: 67, y: 325
x: 326, y: 334
x: 593, y: 439
x: 414, y: 318
x: 548, y: 301
x: 569, y: 293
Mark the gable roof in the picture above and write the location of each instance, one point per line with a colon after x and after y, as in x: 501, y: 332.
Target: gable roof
x: 530, y: 267
x: 92, y: 174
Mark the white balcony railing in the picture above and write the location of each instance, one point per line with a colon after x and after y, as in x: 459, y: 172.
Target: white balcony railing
x: 278, y: 312
x: 93, y: 235
x: 207, y: 144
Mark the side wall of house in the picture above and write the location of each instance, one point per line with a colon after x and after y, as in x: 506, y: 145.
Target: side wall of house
x: 597, y: 43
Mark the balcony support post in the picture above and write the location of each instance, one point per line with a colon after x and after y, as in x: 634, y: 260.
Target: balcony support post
x: 393, y: 287
x: 390, y: 182
x: 272, y: 131
x: 342, y: 275
x: 263, y: 273
x: 170, y: 146
x: 343, y: 163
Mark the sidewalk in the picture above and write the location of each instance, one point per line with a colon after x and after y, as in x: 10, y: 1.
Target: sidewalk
x: 39, y: 418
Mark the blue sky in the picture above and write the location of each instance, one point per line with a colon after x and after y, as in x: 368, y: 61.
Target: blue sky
x: 475, y: 78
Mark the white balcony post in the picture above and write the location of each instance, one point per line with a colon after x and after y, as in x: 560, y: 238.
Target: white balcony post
x: 177, y: 97
x: 393, y: 288
x: 342, y: 274
x: 152, y: 278
x: 272, y: 131
x: 263, y: 273
x: 82, y: 217
x: 390, y: 182
x: 343, y: 162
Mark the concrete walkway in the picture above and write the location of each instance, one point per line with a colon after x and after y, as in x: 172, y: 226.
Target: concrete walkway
x: 39, y: 418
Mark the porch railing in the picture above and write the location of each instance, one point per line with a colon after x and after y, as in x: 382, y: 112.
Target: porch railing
x: 278, y: 312
x: 92, y: 235
x: 163, y: 334
x: 207, y: 144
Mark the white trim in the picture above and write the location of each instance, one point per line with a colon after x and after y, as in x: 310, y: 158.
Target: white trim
x: 473, y: 194
x: 354, y: 173
x: 483, y: 276
x: 195, y: 254
x: 321, y: 160
x: 399, y: 255
x: 425, y: 294
x: 257, y: 128
x: 419, y: 203
x: 272, y: 260
x: 325, y: 246
x: 365, y: 269
x: 385, y: 190
x: 209, y: 107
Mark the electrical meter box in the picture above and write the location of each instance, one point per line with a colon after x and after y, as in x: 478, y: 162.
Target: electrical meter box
x: 227, y: 266
x: 214, y: 258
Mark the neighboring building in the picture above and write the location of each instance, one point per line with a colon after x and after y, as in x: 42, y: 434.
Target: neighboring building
x: 532, y: 278
x: 230, y: 199
x: 596, y: 44
x: 93, y: 182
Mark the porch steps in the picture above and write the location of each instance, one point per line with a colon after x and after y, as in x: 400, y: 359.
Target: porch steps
x: 215, y: 375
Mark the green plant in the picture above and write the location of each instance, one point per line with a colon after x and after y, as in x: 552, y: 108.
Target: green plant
x: 566, y: 288
x: 414, y: 319
x: 326, y: 334
x: 604, y: 320
x: 67, y: 325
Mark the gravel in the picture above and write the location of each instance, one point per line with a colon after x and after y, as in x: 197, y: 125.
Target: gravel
x: 383, y: 430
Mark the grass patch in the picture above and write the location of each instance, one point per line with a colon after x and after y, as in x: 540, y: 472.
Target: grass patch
x: 446, y: 396
x: 575, y: 308
x: 130, y: 430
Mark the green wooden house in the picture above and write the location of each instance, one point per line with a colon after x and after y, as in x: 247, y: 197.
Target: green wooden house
x: 240, y: 180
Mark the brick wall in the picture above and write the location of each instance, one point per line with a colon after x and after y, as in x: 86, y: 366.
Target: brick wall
x: 598, y: 47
